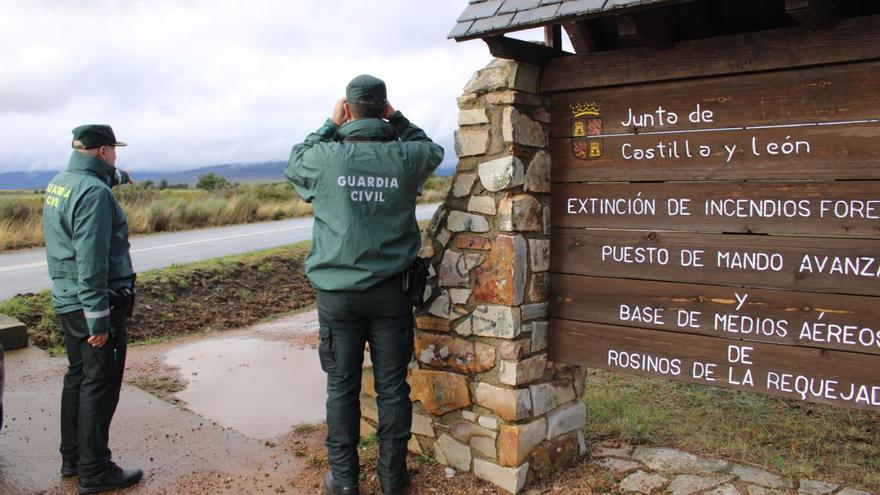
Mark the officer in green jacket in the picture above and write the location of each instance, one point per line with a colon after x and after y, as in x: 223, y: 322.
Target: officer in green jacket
x: 362, y: 171
x: 92, y: 289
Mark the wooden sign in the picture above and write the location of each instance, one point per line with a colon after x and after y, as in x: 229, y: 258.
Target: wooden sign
x: 838, y: 93
x: 806, y: 124
x: 839, y: 266
x: 724, y: 231
x: 815, y: 375
x: 850, y: 209
x: 805, y: 319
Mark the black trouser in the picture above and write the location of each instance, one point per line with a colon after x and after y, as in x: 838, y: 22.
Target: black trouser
x: 91, y: 392
x: 381, y: 315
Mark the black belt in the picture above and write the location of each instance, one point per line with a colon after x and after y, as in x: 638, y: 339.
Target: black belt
x: 366, y: 139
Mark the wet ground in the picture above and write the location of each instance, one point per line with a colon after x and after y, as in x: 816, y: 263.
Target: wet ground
x: 260, y: 387
x: 180, y: 450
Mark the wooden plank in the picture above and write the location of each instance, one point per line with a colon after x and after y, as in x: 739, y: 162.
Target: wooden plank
x: 815, y: 14
x: 526, y: 51
x: 817, y: 152
x: 843, y: 209
x: 822, y: 321
x: 553, y: 36
x: 850, y: 40
x: 830, y: 377
x: 819, y: 94
x: 843, y: 266
x: 579, y: 35
x: 640, y: 28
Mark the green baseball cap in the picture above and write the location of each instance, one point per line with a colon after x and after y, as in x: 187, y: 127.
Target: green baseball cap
x: 86, y: 137
x: 366, y: 89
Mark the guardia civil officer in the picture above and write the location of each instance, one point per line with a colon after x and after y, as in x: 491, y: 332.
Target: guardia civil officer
x: 362, y: 171
x: 92, y: 292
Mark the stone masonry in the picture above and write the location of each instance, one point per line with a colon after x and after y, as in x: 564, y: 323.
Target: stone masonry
x: 487, y: 398
x: 654, y: 470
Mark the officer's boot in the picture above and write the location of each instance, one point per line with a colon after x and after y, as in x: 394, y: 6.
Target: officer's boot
x: 113, y: 478
x: 69, y: 466
x: 331, y: 488
x: 403, y: 489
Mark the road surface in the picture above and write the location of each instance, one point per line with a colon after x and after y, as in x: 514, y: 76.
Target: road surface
x: 25, y: 271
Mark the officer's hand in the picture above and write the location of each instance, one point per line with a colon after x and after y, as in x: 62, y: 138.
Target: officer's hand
x: 99, y: 340
x: 338, y: 115
x: 389, y: 110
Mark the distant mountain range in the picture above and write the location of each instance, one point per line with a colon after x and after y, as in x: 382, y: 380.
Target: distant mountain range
x: 233, y: 172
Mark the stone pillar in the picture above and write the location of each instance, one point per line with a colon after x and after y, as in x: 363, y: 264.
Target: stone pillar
x: 487, y: 399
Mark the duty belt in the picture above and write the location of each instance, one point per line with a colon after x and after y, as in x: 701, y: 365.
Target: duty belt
x: 367, y: 139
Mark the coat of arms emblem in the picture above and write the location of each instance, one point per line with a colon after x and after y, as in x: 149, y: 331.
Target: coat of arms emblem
x: 586, y: 129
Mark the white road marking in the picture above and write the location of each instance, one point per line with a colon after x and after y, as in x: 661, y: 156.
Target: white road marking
x: 214, y: 239
x: 22, y: 267
x: 38, y: 264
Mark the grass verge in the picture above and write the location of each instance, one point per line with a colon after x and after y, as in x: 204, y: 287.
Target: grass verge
x: 221, y: 293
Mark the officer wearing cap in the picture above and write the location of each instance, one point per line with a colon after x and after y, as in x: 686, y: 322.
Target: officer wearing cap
x: 92, y: 291
x: 362, y: 172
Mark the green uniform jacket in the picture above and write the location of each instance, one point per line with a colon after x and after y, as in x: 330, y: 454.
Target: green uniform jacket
x: 364, y: 196
x: 86, y: 240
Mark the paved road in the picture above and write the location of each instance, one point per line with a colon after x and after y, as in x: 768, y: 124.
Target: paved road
x: 25, y: 271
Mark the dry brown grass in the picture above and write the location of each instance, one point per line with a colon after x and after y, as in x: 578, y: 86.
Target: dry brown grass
x: 21, y: 223
x: 152, y: 210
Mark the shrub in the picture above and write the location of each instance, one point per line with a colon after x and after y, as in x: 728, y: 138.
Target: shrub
x: 211, y: 182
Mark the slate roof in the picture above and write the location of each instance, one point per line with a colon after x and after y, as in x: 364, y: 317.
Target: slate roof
x: 490, y: 17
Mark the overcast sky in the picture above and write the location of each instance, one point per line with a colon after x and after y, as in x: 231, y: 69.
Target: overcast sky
x: 189, y: 83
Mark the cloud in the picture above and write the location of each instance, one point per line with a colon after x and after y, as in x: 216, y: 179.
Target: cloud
x: 191, y: 83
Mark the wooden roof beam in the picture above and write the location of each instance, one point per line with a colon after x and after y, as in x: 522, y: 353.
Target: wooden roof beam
x: 580, y: 37
x: 525, y: 51
x: 639, y: 30
x: 553, y: 36
x: 815, y: 14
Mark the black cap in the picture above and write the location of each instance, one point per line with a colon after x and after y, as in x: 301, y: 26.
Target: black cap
x: 366, y: 89
x: 86, y: 137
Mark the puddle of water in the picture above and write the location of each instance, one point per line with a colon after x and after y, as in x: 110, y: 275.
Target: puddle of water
x: 301, y: 323
x: 258, y: 387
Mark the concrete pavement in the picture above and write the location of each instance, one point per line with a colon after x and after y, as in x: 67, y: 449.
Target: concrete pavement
x: 179, y: 450
x: 167, y: 442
